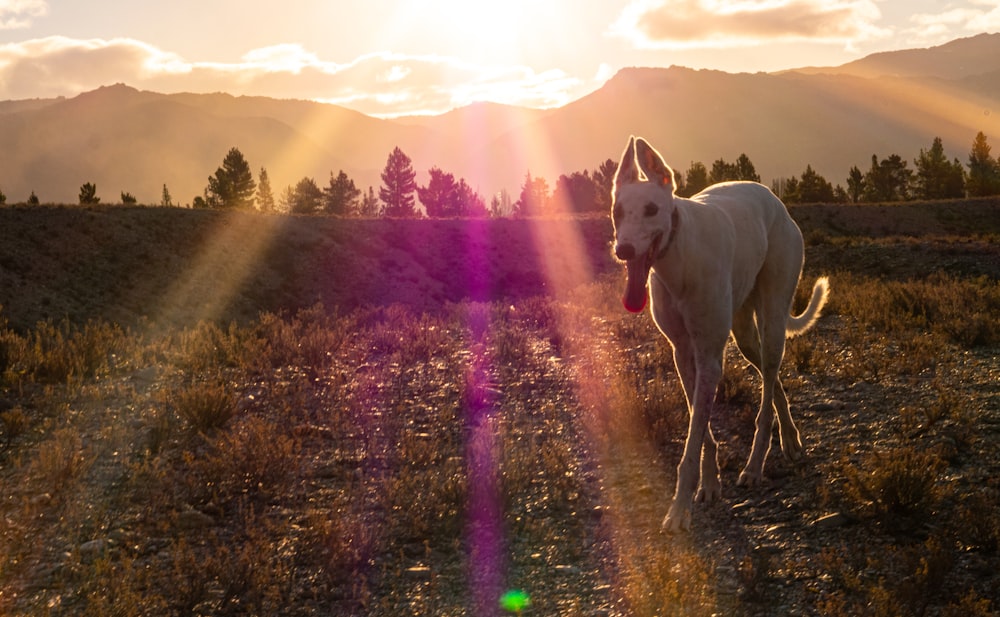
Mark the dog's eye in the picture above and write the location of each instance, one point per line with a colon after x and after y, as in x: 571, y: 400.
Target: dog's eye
x: 651, y: 209
x: 617, y: 213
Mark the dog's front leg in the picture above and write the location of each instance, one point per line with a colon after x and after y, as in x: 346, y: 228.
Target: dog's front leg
x: 679, y: 515
x: 711, y: 486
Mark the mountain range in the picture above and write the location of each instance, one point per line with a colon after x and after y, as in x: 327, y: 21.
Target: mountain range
x: 831, y: 118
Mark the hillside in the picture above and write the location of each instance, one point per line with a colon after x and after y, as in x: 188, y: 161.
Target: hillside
x: 426, y: 457
x: 175, y: 266
x: 957, y: 59
x: 122, y: 139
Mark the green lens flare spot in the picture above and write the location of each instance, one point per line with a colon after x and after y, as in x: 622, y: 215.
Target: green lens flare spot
x: 515, y: 601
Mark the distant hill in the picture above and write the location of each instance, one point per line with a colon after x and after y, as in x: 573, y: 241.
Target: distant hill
x: 831, y: 118
x: 960, y: 58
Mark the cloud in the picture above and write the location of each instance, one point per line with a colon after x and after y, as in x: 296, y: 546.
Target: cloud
x: 693, y: 24
x: 19, y: 13
x: 937, y: 28
x: 383, y: 84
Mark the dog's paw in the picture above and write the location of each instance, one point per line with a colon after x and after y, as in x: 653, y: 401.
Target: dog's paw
x: 678, y: 520
x: 709, y: 491
x: 792, y: 448
x: 750, y: 478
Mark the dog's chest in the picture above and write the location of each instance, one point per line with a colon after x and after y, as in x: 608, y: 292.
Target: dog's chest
x: 666, y: 312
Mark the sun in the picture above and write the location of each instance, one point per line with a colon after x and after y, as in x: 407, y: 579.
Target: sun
x: 478, y: 31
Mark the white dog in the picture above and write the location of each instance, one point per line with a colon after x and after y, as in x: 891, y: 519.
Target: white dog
x: 728, y: 259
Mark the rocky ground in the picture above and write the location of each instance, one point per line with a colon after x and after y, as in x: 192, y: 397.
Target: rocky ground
x: 370, y: 470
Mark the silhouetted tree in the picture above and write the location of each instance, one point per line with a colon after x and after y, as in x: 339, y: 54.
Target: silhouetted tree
x: 888, y: 179
x: 443, y: 196
x: 439, y: 196
x: 265, y: 197
x: 398, y: 185
x: 936, y: 178
x: 534, y: 198
x: 855, y: 184
x: 88, y: 194
x: 286, y: 199
x: 577, y: 192
x: 745, y: 169
x: 984, y: 170
x: 3, y: 198
x: 128, y: 199
x: 813, y: 188
x: 306, y: 198
x: 232, y: 186
x: 722, y: 172
x: 604, y: 180
x: 341, y: 197
x: 787, y: 189
x: 695, y: 179
x: 33, y: 199
x: 165, y: 199
x: 369, y: 206
x: 742, y: 169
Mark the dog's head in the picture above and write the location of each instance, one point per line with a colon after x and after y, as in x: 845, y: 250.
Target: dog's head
x: 643, y: 215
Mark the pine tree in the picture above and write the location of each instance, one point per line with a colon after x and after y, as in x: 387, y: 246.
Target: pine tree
x: 439, y: 197
x: 369, y: 206
x: 306, y: 198
x: 888, y: 180
x: 936, y: 177
x: 398, y: 186
x: 232, y: 186
x: 265, y: 197
x: 745, y: 169
x: 984, y: 170
x: 604, y: 178
x: 813, y: 188
x: 855, y: 184
x: 534, y: 198
x: 695, y: 179
x: 88, y: 194
x: 341, y: 196
x: 165, y: 199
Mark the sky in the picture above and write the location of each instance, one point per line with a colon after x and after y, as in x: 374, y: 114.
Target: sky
x: 395, y: 57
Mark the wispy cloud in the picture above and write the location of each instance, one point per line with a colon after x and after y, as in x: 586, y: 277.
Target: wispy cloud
x: 382, y: 84
x: 20, y: 13
x: 977, y: 16
x: 694, y: 24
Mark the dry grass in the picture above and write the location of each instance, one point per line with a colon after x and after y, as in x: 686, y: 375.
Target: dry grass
x: 391, y: 461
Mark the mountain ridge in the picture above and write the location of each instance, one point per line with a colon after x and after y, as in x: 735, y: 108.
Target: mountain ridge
x: 124, y: 139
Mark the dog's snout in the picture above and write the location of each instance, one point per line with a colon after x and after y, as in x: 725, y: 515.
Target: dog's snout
x: 625, y: 252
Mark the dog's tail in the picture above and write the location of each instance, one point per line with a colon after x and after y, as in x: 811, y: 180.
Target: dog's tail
x: 798, y: 324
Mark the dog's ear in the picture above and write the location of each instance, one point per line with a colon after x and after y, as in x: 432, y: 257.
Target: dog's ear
x: 653, y: 165
x: 627, y: 171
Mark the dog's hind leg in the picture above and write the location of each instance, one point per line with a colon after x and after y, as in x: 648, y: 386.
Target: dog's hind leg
x: 769, y: 327
x: 791, y: 441
x: 748, y: 341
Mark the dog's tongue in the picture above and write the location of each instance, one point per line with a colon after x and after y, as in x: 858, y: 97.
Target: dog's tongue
x: 636, y: 295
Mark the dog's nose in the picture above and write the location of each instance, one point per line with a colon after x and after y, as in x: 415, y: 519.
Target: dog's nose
x: 625, y: 252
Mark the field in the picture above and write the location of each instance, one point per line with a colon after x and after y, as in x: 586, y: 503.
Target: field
x: 236, y: 414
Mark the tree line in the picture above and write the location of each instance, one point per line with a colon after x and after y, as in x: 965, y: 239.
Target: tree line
x: 233, y: 186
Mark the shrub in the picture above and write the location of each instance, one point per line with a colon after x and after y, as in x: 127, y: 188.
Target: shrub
x: 901, y: 482
x: 205, y: 405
